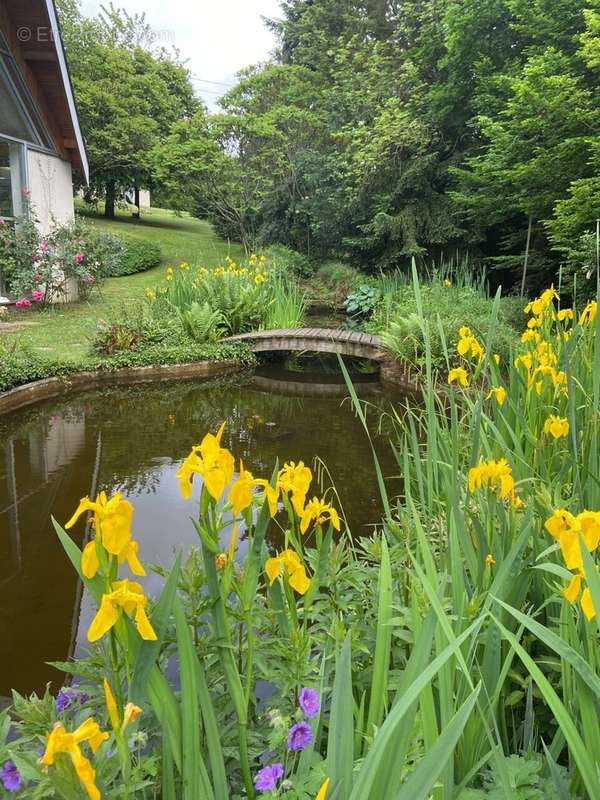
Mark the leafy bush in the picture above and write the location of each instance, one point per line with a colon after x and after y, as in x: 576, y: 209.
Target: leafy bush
x: 135, y: 255
x: 333, y: 282
x: 38, y: 268
x: 332, y: 274
x: 284, y: 260
x: 445, y: 309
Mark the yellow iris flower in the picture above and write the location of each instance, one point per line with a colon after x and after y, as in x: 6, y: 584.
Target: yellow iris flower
x: 571, y: 593
x: 61, y: 741
x: 127, y: 596
x: 214, y: 463
x: 556, y: 426
x: 288, y: 563
x: 130, y: 713
x: 497, y: 476
x: 295, y: 478
x: 323, y: 790
x: 530, y: 336
x: 318, y: 511
x: 458, y: 375
x: 498, y: 393
x: 240, y: 494
x: 112, y: 522
x: 565, y: 313
x: 588, y: 315
x: 112, y: 517
x: 469, y: 344
x: 567, y: 529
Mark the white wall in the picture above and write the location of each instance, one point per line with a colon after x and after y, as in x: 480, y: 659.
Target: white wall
x: 50, y: 183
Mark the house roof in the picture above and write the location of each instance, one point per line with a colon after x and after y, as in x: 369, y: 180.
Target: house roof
x: 36, y: 43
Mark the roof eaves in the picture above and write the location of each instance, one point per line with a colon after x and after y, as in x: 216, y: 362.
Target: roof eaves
x: 66, y: 77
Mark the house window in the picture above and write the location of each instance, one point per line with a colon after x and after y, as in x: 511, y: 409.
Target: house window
x: 11, y: 179
x: 19, y: 115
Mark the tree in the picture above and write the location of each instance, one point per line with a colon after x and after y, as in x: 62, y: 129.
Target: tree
x: 128, y: 96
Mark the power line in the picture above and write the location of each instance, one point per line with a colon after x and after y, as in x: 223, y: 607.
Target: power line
x: 215, y: 83
x: 210, y: 91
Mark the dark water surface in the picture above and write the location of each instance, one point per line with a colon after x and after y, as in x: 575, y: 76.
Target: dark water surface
x: 133, y: 439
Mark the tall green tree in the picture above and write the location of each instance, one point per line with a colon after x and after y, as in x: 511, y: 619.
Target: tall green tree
x: 128, y: 96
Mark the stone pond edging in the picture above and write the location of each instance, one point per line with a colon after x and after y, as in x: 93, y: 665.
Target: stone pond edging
x: 29, y: 393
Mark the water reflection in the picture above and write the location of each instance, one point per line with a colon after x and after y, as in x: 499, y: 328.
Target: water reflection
x: 132, y: 439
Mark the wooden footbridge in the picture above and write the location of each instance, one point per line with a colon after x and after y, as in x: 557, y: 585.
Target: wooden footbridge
x: 329, y: 340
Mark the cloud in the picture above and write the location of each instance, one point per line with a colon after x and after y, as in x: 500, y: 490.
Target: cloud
x: 216, y: 37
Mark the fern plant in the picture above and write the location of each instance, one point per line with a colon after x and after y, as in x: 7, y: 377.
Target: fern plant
x: 202, y: 323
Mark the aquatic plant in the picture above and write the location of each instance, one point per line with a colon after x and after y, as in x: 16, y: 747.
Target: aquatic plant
x: 451, y: 655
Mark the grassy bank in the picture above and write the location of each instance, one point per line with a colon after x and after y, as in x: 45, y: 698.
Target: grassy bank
x: 64, y: 332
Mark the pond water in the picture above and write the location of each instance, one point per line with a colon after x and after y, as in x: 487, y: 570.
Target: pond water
x: 133, y: 439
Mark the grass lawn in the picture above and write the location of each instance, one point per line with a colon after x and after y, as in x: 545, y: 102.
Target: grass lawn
x: 65, y: 331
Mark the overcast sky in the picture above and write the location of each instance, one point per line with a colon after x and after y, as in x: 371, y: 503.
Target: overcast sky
x: 217, y: 37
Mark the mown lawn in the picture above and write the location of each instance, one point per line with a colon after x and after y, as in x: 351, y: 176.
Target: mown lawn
x: 66, y: 331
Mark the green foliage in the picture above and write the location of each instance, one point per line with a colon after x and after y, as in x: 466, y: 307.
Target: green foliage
x: 381, y: 133
x: 135, y: 256
x: 202, y: 323
x: 230, y: 299
x: 284, y: 260
x: 38, y: 266
x: 129, y: 94
x: 21, y: 365
x: 362, y: 302
x: 287, y: 308
x: 525, y: 775
x: 445, y: 309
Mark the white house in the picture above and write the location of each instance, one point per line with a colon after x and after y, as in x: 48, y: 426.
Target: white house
x: 40, y: 137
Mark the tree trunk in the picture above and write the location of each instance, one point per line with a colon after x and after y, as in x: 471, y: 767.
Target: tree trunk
x: 109, y: 202
x: 137, y: 199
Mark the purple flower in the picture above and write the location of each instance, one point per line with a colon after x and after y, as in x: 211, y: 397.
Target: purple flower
x: 266, y: 779
x: 299, y: 736
x: 309, y: 702
x: 66, y: 699
x: 11, y: 777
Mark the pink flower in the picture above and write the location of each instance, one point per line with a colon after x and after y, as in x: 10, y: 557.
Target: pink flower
x: 2, y: 221
x: 44, y: 246
x: 23, y: 303
x: 90, y: 279
x: 79, y: 258
x: 26, y: 191
x: 37, y: 296
x: 38, y: 278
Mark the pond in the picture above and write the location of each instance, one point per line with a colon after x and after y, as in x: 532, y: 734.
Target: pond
x: 133, y: 439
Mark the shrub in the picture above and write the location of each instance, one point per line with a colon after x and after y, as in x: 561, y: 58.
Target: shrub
x: 37, y: 268
x: 284, y: 260
x: 134, y: 256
